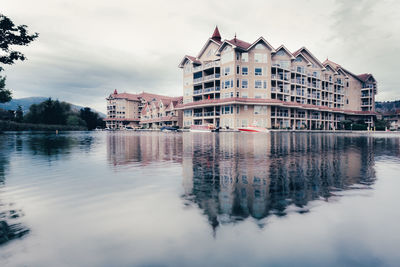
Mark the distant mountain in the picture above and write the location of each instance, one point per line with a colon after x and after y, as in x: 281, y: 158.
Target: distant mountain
x: 387, y: 106
x: 26, y: 102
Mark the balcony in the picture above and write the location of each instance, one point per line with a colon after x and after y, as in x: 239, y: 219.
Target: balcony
x: 211, y: 77
x: 211, y: 89
x: 197, y: 92
x: 198, y: 80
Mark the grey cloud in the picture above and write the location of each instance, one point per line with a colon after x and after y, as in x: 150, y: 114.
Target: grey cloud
x: 88, y: 48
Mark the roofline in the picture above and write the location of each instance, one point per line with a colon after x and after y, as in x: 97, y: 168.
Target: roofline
x: 287, y: 51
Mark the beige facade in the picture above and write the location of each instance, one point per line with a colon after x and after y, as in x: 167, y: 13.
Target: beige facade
x: 233, y: 84
x: 125, y: 110
x: 162, y: 113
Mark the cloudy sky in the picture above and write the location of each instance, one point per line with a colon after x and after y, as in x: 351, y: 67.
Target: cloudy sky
x: 87, y: 48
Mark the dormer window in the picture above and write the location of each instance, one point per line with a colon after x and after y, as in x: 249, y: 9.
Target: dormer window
x: 259, y: 46
x: 280, y: 53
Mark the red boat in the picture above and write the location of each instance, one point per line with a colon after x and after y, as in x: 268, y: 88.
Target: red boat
x: 254, y: 129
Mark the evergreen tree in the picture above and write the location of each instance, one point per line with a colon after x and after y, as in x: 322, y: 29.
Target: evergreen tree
x: 19, y: 114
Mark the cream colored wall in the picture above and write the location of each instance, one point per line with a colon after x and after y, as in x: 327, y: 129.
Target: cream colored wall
x: 209, y: 52
x: 252, y: 91
x: 353, y: 94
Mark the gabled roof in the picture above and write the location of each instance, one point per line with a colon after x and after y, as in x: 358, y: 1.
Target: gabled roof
x: 261, y: 39
x: 239, y: 43
x: 282, y: 47
x: 300, y: 55
x: 365, y: 77
x: 340, y: 70
x: 190, y: 58
x: 329, y: 66
x: 245, y: 46
x: 304, y: 50
x: 336, y: 67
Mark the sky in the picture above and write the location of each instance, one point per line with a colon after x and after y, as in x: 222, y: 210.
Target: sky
x: 88, y: 48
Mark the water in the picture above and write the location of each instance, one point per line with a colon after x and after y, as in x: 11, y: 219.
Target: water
x: 173, y: 199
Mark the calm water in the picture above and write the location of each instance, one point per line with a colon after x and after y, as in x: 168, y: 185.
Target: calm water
x: 173, y: 199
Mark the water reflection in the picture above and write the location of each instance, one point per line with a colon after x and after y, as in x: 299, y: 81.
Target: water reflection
x: 48, y: 145
x: 10, y: 228
x: 233, y: 177
x: 143, y: 148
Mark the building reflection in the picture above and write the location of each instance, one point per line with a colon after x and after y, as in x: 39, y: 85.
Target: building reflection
x: 235, y: 176
x: 125, y: 148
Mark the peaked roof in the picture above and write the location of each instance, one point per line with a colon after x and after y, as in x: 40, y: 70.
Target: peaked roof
x: 286, y: 50
x: 239, y: 43
x: 337, y: 67
x: 190, y: 58
x: 304, y: 49
x: 148, y: 97
x: 216, y: 36
x: 365, y: 76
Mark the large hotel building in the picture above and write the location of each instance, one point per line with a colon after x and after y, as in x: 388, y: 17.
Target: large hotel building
x: 232, y: 83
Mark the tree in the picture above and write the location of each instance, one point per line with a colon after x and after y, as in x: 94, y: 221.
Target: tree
x: 91, y: 118
x: 19, y: 114
x: 11, y: 35
x: 49, y: 112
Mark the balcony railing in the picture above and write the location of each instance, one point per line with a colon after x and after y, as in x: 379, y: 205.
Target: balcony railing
x: 198, y: 80
x: 212, y: 76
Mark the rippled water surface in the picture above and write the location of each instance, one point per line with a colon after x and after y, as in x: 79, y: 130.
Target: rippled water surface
x: 185, y: 199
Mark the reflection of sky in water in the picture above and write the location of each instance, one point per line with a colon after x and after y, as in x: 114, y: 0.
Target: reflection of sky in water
x: 209, y: 199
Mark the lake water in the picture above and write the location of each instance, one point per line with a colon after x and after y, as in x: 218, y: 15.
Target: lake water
x: 186, y: 199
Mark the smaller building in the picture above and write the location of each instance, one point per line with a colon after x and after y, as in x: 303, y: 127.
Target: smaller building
x: 393, y: 117
x: 161, y: 113
x: 125, y: 110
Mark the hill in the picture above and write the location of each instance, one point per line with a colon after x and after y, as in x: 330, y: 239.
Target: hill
x: 387, y: 106
x: 26, y: 102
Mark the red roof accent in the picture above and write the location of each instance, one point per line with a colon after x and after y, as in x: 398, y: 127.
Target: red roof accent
x: 194, y: 59
x: 364, y: 77
x: 239, y: 43
x: 142, y: 96
x: 216, y: 35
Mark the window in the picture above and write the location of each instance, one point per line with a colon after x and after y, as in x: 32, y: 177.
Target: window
x: 245, y: 83
x: 227, y: 55
x: 298, y: 59
x: 257, y: 84
x: 188, y: 113
x: 284, y: 64
x: 260, y: 58
x: 280, y: 53
x: 265, y: 84
x: 300, y: 69
x: 227, y: 71
x: 245, y: 107
x: 258, y: 71
x: 237, y: 56
x: 237, y: 83
x: 237, y: 69
x: 245, y: 57
x: 245, y: 70
x: 260, y: 110
x: 227, y: 84
x: 259, y: 46
x: 237, y: 109
x: 245, y: 94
